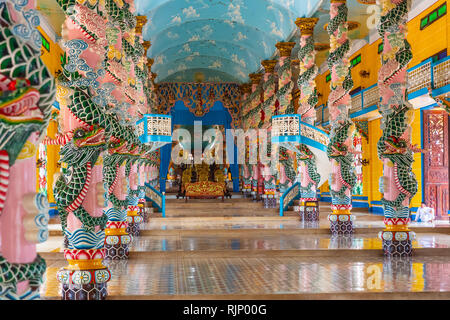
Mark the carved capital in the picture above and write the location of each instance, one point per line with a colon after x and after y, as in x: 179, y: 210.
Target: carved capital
x: 140, y: 22
x: 306, y: 25
x: 269, y: 65
x: 255, y: 77
x: 285, y: 48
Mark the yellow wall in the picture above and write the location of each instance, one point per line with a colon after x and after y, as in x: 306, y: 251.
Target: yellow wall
x: 430, y: 40
x: 52, y: 60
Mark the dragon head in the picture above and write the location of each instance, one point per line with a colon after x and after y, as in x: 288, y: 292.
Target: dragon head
x: 85, y: 146
x: 27, y: 89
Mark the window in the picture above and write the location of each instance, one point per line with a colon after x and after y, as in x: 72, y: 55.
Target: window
x: 355, y: 91
x: 380, y: 47
x: 45, y: 43
x: 328, y: 78
x: 433, y: 16
x: 355, y: 61
x: 438, y: 56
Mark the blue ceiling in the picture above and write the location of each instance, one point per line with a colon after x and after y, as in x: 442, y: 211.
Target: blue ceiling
x: 224, y: 40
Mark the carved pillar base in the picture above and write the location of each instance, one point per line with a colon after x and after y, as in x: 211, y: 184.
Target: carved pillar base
x: 309, y: 209
x: 269, y: 201
x: 397, y: 238
x: 341, y: 220
x: 134, y: 228
x: 117, y: 240
x: 117, y: 251
x: 134, y: 220
x: 86, y: 277
x: 94, y: 291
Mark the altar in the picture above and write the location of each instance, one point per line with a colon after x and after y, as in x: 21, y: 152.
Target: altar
x: 203, y: 181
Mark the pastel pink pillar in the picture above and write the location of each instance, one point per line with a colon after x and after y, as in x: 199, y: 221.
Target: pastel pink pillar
x: 14, y: 247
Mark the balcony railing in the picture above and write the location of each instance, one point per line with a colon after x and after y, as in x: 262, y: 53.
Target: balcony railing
x: 422, y: 78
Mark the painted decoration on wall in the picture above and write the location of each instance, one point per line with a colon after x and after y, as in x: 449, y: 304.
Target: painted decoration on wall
x: 357, y: 160
x: 199, y: 98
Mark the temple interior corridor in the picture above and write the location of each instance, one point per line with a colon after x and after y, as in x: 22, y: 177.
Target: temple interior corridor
x: 235, y: 250
x: 224, y: 150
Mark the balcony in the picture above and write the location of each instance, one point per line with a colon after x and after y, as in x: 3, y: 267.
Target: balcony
x: 423, y: 79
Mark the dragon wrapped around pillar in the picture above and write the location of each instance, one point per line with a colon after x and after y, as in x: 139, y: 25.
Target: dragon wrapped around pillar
x: 398, y: 184
x: 343, y: 178
x: 27, y: 91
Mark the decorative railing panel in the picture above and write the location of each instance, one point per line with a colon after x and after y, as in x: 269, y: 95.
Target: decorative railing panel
x: 441, y: 73
x: 371, y: 96
x: 288, y: 197
x: 157, y: 198
x: 419, y: 77
x: 356, y: 102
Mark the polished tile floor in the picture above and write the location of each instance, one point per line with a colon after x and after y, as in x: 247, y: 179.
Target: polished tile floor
x: 269, y: 276
x: 264, y: 242
x: 243, y: 255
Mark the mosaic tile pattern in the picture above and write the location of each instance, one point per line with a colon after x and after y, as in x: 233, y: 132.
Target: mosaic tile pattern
x: 271, y: 276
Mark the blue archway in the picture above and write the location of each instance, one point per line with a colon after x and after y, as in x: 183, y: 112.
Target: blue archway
x: 217, y: 115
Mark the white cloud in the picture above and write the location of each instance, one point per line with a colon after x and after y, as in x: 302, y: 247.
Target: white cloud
x: 159, y: 60
x: 236, y: 59
x: 186, y: 47
x: 234, y: 12
x: 176, y: 19
x: 240, y: 74
x: 276, y: 31
x: 196, y: 53
x: 216, y: 64
x: 241, y: 36
x: 207, y: 30
x: 195, y: 37
x: 190, y: 12
x: 229, y: 22
x: 172, y: 35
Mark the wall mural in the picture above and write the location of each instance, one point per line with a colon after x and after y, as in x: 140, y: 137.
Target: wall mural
x: 199, y: 98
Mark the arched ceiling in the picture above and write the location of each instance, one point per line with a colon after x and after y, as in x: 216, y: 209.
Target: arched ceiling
x: 225, y: 40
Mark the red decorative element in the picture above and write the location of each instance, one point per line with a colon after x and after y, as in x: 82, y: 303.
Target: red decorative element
x: 307, y: 199
x: 79, y: 200
x: 341, y: 207
x: 396, y: 221
x: 116, y: 224
x: 4, y: 177
x: 84, y: 254
x: 436, y: 164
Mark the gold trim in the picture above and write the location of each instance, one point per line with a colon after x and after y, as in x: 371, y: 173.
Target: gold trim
x: 269, y: 65
x: 85, y: 264
x: 285, y: 48
x: 115, y: 232
x: 255, y: 77
x: 140, y: 22
x: 306, y: 25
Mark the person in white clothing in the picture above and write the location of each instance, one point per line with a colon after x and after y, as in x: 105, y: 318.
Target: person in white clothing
x: 424, y: 213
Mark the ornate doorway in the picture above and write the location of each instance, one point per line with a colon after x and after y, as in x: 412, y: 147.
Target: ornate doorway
x: 436, y: 164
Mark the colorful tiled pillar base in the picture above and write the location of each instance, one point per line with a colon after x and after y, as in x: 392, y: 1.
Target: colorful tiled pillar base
x: 269, y: 201
x: 117, y: 240
x: 134, y: 229
x: 341, y: 220
x: 309, y: 209
x: 397, y: 238
x: 134, y: 220
x: 97, y: 291
x: 86, y: 277
x: 118, y: 251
